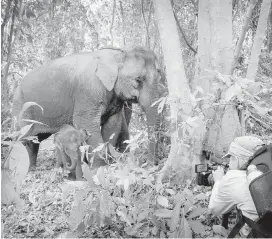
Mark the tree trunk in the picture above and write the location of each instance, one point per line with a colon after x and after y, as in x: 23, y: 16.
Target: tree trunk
x: 177, y: 83
x: 238, y: 48
x: 214, y: 40
x: 4, y: 82
x: 214, y: 55
x: 258, y: 41
x: 269, y: 32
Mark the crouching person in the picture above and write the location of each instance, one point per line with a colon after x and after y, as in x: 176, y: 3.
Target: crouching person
x: 231, y: 190
x: 67, y: 141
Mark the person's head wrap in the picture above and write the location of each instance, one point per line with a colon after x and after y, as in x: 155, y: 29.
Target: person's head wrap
x: 242, y: 148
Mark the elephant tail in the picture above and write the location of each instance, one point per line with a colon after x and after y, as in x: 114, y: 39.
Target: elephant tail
x: 21, y: 109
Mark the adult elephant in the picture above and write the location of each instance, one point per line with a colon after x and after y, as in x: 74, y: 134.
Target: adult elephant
x: 85, y: 90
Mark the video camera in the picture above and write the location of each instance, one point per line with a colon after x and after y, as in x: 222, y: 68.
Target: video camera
x: 204, y: 171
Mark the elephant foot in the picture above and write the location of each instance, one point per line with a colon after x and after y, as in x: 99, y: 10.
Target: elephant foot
x: 32, y: 168
x: 71, y: 176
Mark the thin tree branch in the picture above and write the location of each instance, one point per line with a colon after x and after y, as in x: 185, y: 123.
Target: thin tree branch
x: 237, y: 10
x: 4, y: 24
x: 146, y: 27
x: 112, y: 20
x: 238, y: 48
x: 180, y: 29
x: 149, y: 14
x: 123, y: 22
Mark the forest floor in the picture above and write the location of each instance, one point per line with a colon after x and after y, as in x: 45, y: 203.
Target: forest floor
x: 47, y: 206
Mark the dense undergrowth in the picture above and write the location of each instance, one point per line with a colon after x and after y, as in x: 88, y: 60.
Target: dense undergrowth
x: 54, y: 206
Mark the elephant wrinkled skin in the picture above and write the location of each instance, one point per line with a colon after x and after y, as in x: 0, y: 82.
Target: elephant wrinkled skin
x: 67, y: 141
x: 85, y: 90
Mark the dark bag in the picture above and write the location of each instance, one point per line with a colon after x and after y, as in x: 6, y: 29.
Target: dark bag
x: 261, y: 187
x: 261, y: 192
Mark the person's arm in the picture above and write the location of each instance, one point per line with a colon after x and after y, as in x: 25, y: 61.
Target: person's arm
x: 221, y: 200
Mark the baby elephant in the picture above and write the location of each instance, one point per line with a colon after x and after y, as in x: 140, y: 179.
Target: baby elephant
x: 67, y: 141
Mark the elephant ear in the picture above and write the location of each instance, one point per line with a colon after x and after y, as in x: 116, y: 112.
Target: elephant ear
x: 108, y: 63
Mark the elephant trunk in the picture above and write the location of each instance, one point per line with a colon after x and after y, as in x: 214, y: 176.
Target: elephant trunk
x: 74, y: 161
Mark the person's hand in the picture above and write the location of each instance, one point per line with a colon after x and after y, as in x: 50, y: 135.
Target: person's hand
x: 218, y: 174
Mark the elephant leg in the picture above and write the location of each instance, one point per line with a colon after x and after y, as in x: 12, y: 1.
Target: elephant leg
x: 90, y: 121
x: 111, y: 129
x: 59, y: 158
x: 32, y: 149
x: 97, y: 157
x: 124, y: 134
x: 79, y: 172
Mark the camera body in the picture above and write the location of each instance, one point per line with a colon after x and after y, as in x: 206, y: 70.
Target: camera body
x: 203, y: 172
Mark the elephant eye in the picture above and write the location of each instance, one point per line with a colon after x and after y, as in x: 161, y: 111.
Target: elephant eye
x: 139, y: 81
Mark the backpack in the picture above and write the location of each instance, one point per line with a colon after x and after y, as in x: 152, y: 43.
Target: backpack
x: 261, y: 187
x: 261, y: 191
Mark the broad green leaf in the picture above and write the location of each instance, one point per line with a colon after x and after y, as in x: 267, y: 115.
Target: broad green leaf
x: 174, y: 222
x: 79, y: 195
x: 8, y: 193
x: 143, y: 215
x: 163, y: 213
x: 184, y: 230
x: 98, y: 148
x: 18, y: 162
x: 147, y: 181
x: 65, y: 191
x: 197, y: 212
x: 154, y: 231
x: 179, y: 198
x: 188, y: 195
x: 130, y: 231
x: 123, y: 217
x: 163, y: 201
x: 187, y: 206
x: 76, y: 215
x: 25, y: 130
x: 106, y: 205
x: 89, y: 219
x: 88, y: 174
x: 173, y: 234
x: 197, y: 226
x: 113, y: 152
x: 81, y: 227
x: 162, y: 235
x: 101, y: 177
